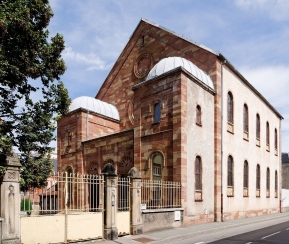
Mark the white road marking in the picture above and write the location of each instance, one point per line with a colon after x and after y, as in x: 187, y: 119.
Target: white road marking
x: 199, y: 242
x: 287, y: 229
x: 248, y: 242
x: 271, y: 235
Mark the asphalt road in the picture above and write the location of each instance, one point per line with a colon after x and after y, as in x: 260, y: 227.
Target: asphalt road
x: 273, y: 234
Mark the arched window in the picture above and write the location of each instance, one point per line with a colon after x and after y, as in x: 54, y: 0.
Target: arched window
x: 257, y: 126
x: 276, y: 183
x: 198, y: 115
x: 69, y: 175
x: 230, y: 111
x: 246, y: 175
x: 267, y: 134
x: 268, y: 182
x: 230, y: 171
x: 258, y: 178
x: 198, y: 174
x: 157, y: 112
x: 157, y: 163
x: 276, y: 140
x: 245, y: 119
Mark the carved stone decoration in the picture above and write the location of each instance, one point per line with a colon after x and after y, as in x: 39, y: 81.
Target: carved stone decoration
x: 109, y: 169
x: 125, y: 165
x: 130, y: 111
x: 11, y: 175
x: 93, y: 169
x: 142, y: 65
x: 12, y: 159
x: 134, y: 173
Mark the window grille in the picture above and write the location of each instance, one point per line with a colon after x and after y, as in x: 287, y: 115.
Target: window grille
x: 198, y: 174
x: 245, y: 119
x: 268, y: 180
x: 230, y: 111
x: 258, y: 179
x: 267, y: 133
x: 246, y: 176
x: 230, y: 172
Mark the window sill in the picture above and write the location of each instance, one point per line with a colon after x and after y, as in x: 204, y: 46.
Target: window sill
x: 245, y: 135
x: 156, y: 123
x: 198, y: 124
x: 199, y: 200
x: 230, y: 192
x: 230, y: 128
x: 267, y: 148
x: 258, y: 142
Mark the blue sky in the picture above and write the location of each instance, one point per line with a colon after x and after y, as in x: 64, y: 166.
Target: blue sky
x: 252, y: 35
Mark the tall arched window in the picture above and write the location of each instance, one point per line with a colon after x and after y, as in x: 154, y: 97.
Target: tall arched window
x: 230, y: 176
x: 157, y: 162
x: 157, y: 112
x: 258, y: 180
x: 198, y: 115
x: 276, y: 183
x: 230, y: 109
x: 267, y: 136
x: 198, y: 174
x: 69, y: 173
x: 245, y: 179
x: 268, y: 183
x: 246, y: 175
x: 245, y: 119
x: 257, y: 126
x: 276, y: 140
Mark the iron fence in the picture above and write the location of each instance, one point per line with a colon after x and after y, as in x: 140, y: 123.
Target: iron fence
x: 160, y: 194
x: 123, y: 193
x: 65, y: 193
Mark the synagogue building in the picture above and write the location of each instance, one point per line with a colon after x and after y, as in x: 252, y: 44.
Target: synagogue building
x: 179, y: 111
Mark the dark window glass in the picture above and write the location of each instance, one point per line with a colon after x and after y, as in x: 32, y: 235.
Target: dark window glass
x: 258, y: 177
x: 198, y: 115
x: 245, y: 118
x: 258, y: 126
x: 276, y: 140
x: 268, y: 180
x: 230, y: 171
x: 267, y: 133
x: 198, y: 174
x: 157, y: 113
x: 276, y: 181
x: 246, y: 176
x: 230, y: 108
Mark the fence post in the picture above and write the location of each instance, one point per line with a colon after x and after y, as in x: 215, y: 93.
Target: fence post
x: 136, y: 226
x: 110, y: 202
x: 10, y: 199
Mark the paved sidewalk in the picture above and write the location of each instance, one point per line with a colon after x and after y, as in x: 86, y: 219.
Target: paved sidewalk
x: 190, y: 231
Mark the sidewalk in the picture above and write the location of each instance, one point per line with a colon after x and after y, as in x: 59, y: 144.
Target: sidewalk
x: 190, y: 231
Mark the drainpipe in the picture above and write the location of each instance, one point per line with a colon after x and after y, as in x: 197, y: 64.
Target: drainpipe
x: 280, y: 166
x: 222, y: 139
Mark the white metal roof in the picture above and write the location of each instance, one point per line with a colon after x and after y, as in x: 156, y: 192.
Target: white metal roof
x: 94, y: 105
x: 171, y: 63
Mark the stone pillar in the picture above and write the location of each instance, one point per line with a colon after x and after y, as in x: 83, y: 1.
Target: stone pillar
x: 10, y: 200
x: 110, y: 202
x: 136, y: 226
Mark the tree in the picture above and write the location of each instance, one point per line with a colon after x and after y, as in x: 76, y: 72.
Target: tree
x: 30, y: 65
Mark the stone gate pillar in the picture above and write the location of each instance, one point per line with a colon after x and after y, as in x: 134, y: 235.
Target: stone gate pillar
x: 10, y: 200
x: 136, y: 226
x: 110, y: 202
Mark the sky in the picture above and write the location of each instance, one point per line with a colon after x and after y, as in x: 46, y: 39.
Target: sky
x: 252, y: 35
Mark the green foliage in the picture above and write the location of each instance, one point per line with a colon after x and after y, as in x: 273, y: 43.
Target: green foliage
x: 26, y: 205
x: 30, y: 66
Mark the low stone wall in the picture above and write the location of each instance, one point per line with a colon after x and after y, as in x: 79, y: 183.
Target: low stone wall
x: 285, y: 200
x: 156, y: 219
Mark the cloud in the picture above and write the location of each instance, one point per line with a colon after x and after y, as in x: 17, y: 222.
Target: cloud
x: 275, y: 9
x: 92, y: 61
x: 273, y: 83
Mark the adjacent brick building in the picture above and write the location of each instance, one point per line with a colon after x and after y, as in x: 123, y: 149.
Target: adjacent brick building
x: 179, y: 111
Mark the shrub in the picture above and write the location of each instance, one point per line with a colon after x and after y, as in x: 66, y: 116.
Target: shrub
x: 26, y: 205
